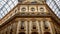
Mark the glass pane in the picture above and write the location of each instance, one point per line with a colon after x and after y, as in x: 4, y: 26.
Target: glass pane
x: 6, y: 6
x: 54, y: 5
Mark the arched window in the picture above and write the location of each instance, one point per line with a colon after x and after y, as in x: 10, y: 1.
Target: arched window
x: 11, y: 31
x: 21, y: 33
x: 34, y: 33
x: 45, y: 25
x: 22, y: 24
x: 6, y: 32
x: 34, y: 25
x: 47, y: 33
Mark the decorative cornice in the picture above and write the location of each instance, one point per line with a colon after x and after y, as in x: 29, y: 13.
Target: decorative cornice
x: 31, y: 1
x: 8, y: 16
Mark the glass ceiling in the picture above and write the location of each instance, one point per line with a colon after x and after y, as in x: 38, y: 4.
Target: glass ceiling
x: 7, y: 5
x: 55, y: 6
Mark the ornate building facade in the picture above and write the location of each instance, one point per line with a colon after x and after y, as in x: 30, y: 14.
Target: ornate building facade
x: 30, y: 17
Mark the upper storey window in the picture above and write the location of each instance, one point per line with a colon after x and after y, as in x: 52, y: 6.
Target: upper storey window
x: 34, y: 25
x: 22, y: 24
x: 6, y: 32
x: 45, y: 25
x: 11, y: 31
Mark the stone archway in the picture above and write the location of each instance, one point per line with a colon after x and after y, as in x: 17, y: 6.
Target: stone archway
x: 47, y: 33
x: 34, y: 33
x: 22, y: 33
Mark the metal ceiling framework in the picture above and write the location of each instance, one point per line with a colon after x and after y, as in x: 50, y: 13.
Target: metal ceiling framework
x: 7, y: 5
x: 53, y: 4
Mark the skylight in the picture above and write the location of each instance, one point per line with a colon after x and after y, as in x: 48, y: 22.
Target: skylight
x: 55, y: 6
x: 6, y: 6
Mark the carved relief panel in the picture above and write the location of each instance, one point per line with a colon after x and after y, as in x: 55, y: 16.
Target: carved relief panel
x: 23, y: 8
x: 41, y: 8
x: 32, y: 8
